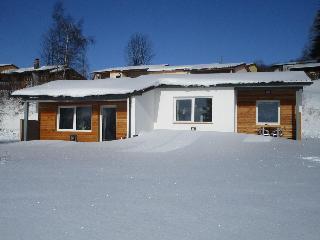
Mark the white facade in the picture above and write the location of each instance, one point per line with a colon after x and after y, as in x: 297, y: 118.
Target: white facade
x: 155, y: 109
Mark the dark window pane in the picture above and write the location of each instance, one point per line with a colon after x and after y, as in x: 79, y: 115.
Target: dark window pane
x: 203, y: 110
x: 109, y: 124
x: 66, y: 118
x: 183, y: 110
x: 268, y: 112
x: 83, y: 119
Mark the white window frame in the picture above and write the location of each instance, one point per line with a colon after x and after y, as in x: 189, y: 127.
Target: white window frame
x: 257, y: 112
x: 74, y: 119
x: 192, y: 109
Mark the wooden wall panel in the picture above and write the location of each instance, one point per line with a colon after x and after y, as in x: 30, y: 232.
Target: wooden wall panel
x: 48, y: 121
x: 246, y: 110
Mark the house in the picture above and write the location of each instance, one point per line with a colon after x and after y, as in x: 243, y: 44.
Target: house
x: 9, y: 66
x: 4, y: 85
x: 251, y: 67
x: 136, y: 71
x: 13, y: 78
x: 99, y: 110
x: 311, y: 67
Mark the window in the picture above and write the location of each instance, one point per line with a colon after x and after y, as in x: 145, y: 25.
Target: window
x: 66, y: 118
x: 193, y: 109
x: 74, y: 118
x: 203, y: 110
x: 183, y: 110
x: 83, y: 119
x: 268, y: 112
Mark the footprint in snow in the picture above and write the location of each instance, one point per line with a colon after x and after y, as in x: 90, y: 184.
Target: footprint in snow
x: 4, y: 157
x: 312, y: 159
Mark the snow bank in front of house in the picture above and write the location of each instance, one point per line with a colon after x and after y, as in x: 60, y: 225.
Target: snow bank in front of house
x: 194, y: 185
x: 311, y: 110
x: 11, y: 111
x: 80, y: 88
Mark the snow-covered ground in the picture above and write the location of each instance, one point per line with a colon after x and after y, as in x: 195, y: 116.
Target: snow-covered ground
x: 161, y: 185
x: 311, y: 110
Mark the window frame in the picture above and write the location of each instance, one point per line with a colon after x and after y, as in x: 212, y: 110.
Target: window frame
x: 74, y: 124
x: 257, y: 112
x: 192, y: 109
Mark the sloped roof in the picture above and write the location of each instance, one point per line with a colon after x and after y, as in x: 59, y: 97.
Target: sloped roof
x: 6, y: 64
x: 197, y: 67
x: 32, y: 69
x: 295, y: 62
x: 126, y: 68
x: 167, y: 67
x: 305, y: 65
x: 101, y: 87
x: 3, y: 65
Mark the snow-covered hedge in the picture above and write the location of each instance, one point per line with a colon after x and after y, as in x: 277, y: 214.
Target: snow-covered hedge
x: 311, y: 111
x: 11, y: 111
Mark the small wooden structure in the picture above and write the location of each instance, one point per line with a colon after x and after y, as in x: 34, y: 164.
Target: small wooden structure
x: 33, y: 130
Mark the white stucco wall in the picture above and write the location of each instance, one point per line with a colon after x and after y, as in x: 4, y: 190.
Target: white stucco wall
x: 144, y: 111
x: 155, y: 109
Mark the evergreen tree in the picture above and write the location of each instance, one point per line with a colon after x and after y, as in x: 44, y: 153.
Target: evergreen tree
x: 312, y: 50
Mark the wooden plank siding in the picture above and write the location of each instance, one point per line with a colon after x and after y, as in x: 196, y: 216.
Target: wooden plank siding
x: 48, y: 121
x: 246, y: 110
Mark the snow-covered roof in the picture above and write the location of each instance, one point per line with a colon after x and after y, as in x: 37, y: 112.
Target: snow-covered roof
x: 296, y: 62
x: 304, y: 65
x: 100, y: 87
x: 5, y: 64
x: 197, y: 67
x: 32, y: 69
x: 167, y: 67
x: 126, y: 68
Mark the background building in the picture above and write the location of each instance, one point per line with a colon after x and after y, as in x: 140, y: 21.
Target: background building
x: 136, y: 71
x: 13, y: 78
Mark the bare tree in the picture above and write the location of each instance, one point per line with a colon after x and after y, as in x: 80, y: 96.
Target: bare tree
x: 139, y: 50
x: 64, y: 43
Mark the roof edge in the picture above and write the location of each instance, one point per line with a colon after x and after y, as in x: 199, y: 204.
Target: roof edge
x: 141, y: 91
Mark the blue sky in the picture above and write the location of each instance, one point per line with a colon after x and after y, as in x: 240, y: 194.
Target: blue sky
x: 183, y: 32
